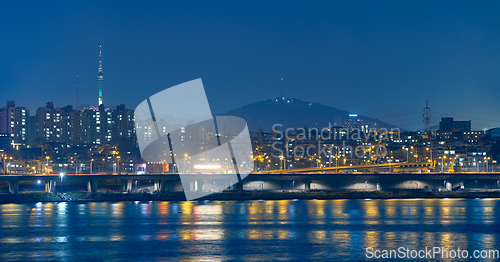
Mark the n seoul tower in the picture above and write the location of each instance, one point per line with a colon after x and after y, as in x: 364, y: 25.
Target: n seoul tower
x: 100, y: 76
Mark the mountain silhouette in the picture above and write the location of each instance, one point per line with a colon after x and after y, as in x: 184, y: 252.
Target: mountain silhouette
x: 295, y: 113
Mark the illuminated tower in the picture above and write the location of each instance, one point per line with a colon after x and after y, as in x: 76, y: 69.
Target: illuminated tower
x: 100, y: 76
x: 427, y: 116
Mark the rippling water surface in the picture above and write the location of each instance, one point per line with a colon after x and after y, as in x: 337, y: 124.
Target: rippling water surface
x: 242, y: 230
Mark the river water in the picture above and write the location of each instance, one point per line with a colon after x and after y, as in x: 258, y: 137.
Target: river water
x: 305, y: 230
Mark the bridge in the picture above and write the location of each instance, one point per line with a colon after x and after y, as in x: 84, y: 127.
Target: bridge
x: 258, y: 181
x: 396, y: 167
x: 91, y: 180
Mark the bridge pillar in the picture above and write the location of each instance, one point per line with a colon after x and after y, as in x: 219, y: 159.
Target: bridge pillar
x: 123, y: 183
x: 92, y: 185
x: 129, y: 185
x: 448, y: 186
x: 155, y: 185
x: 199, y: 184
x: 14, y: 187
x: 158, y: 185
x: 161, y: 185
x: 164, y: 186
x: 49, y: 186
x: 307, y: 185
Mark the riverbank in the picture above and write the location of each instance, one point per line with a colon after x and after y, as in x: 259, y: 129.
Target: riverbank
x: 238, y: 195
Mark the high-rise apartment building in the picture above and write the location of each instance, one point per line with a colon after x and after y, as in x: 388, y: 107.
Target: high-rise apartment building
x: 58, y: 125
x: 14, y: 123
x: 78, y: 127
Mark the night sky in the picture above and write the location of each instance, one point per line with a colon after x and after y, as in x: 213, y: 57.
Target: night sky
x: 380, y: 59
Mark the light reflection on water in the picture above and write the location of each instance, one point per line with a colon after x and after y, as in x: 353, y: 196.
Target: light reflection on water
x: 242, y: 230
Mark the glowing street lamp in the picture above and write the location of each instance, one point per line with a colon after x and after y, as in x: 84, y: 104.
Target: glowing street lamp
x: 47, y: 166
x: 337, y: 163
x: 415, y: 156
x: 431, y: 155
x: 486, y: 160
x: 10, y: 168
x: 407, y: 156
x: 4, y: 167
x: 118, y: 169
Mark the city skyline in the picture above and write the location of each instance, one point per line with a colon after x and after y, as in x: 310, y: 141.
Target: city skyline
x: 335, y: 55
x: 100, y: 78
x: 249, y: 130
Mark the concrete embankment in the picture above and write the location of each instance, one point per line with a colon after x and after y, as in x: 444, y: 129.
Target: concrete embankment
x: 237, y: 195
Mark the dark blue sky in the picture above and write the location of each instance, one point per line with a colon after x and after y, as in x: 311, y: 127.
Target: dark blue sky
x: 381, y: 59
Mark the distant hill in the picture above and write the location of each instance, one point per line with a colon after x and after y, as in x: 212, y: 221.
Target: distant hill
x: 294, y: 113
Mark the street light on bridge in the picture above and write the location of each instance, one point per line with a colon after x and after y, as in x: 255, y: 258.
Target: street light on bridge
x: 118, y: 169
x: 407, y: 154
x: 47, y: 166
x: 432, y: 161
x: 442, y: 164
x: 486, y: 160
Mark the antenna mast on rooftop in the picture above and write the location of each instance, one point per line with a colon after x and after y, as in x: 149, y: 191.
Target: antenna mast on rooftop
x: 282, y: 96
x: 427, y: 116
x: 77, y: 105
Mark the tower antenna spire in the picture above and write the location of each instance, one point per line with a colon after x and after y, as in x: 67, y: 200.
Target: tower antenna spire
x: 77, y: 105
x: 100, y: 76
